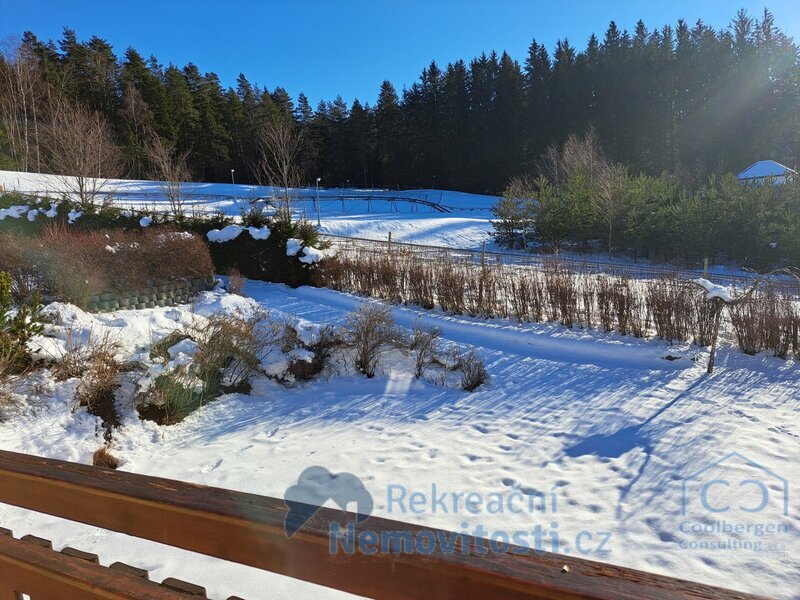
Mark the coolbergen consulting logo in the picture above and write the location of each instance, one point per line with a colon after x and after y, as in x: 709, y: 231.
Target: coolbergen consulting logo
x: 734, y: 504
x: 352, y: 534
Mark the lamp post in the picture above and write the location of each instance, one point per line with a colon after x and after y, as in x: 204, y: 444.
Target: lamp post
x: 434, y: 182
x: 316, y: 201
x: 235, y: 201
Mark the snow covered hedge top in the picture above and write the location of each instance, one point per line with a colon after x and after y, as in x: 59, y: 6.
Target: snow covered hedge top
x: 231, y: 232
x: 309, y: 255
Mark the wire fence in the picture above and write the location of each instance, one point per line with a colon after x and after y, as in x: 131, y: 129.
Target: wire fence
x: 595, y: 265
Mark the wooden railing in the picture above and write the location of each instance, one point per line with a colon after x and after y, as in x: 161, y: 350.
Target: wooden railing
x: 248, y: 529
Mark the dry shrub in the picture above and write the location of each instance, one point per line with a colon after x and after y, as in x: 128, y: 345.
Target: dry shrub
x: 562, y: 294
x: 631, y: 312
x: 587, y: 289
x: 424, y: 347
x: 473, y: 371
x: 103, y: 458
x: 230, y: 349
x: 481, y: 291
x: 236, y: 282
x: 75, y: 263
x: 746, y: 324
x: 421, y: 287
x: 520, y: 291
x: 451, y: 282
x: 707, y: 314
x: 25, y: 277
x: 100, y: 379
x: 605, y: 306
x: 670, y: 303
x: 765, y: 320
x: 777, y: 321
x: 368, y: 333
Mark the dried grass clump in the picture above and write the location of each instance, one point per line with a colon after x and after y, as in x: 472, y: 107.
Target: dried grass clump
x: 100, y: 379
x: 103, y: 458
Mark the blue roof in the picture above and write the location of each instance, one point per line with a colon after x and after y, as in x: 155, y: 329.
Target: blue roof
x: 765, y: 168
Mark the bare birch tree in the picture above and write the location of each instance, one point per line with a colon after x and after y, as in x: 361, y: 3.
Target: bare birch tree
x: 170, y: 169
x: 280, y: 144
x: 577, y: 154
x: 20, y: 108
x: 610, y: 198
x: 82, y: 153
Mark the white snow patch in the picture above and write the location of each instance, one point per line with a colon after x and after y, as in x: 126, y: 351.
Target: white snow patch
x: 145, y: 221
x: 293, y: 246
x: 14, y: 212
x: 713, y: 290
x: 226, y: 234
x: 311, y: 255
x: 259, y: 233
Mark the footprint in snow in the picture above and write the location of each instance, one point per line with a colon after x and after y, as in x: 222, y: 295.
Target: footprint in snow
x: 211, y: 466
x: 480, y: 428
x: 784, y: 430
x: 741, y: 413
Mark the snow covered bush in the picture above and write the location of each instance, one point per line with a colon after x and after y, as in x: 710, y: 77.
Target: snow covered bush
x: 282, y: 250
x: 222, y: 353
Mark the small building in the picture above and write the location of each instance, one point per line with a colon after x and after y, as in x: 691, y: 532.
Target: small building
x: 766, y: 171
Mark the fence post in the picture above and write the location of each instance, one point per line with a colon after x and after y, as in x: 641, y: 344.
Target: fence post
x: 705, y: 268
x: 390, y: 243
x: 483, y: 253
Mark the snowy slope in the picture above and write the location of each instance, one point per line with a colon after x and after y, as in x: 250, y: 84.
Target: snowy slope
x: 603, y: 422
x: 363, y: 213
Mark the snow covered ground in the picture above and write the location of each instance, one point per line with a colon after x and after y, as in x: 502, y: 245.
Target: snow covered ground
x: 362, y: 213
x: 609, y: 426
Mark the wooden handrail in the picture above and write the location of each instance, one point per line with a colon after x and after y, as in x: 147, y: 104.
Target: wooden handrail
x: 248, y: 529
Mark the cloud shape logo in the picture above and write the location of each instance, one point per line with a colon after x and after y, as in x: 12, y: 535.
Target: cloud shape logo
x: 317, y: 485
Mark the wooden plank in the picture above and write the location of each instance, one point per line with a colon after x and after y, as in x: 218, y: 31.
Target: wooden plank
x: 248, y: 529
x: 46, y: 574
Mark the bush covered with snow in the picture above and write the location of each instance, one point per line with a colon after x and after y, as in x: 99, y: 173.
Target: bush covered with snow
x: 281, y: 250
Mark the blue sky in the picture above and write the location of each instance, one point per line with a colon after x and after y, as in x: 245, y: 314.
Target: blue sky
x: 347, y: 47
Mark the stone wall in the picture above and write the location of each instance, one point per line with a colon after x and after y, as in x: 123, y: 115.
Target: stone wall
x: 176, y: 291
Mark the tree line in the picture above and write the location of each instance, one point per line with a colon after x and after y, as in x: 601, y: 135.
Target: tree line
x: 581, y: 197
x: 690, y: 100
